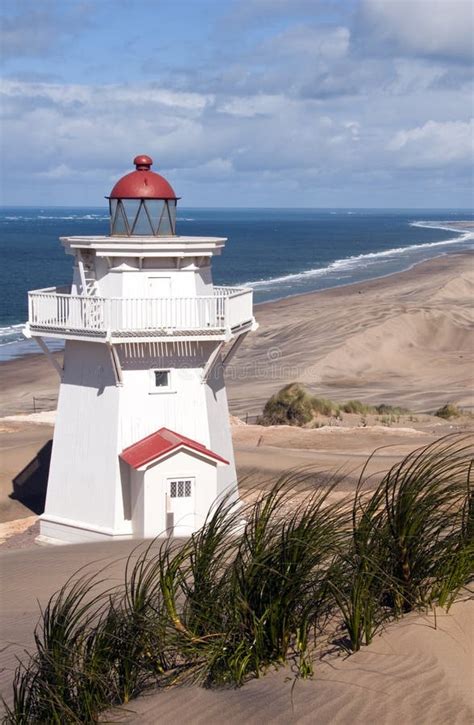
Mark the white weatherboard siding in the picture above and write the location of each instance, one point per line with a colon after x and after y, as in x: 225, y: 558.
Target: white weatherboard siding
x: 182, y: 407
x: 220, y: 438
x: 144, y: 409
x: 84, y: 485
x: 97, y: 416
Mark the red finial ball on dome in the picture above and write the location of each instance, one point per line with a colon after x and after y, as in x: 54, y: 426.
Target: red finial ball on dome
x: 143, y: 163
x: 142, y: 183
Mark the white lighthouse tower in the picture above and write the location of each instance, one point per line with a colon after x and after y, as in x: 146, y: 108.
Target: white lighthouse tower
x: 142, y: 444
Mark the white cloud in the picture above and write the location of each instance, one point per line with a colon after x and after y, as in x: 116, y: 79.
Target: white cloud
x: 83, y: 127
x: 427, y: 27
x: 296, y: 111
x: 435, y: 144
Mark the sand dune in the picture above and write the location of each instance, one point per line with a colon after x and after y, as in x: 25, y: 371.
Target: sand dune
x: 406, y: 339
x: 419, y: 671
x: 413, y: 673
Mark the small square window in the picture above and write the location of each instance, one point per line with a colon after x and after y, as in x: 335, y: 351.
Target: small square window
x: 162, y: 378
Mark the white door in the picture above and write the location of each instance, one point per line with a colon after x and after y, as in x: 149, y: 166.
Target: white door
x: 158, y: 286
x: 180, y: 506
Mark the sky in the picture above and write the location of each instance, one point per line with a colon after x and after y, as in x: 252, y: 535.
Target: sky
x: 241, y: 103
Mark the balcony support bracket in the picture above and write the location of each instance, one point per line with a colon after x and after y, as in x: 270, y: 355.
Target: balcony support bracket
x: 82, y: 274
x: 211, y: 362
x: 50, y: 357
x: 233, y: 348
x: 116, y: 367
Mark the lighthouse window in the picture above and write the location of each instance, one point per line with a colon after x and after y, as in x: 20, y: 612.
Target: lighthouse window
x: 162, y: 378
x: 180, y: 489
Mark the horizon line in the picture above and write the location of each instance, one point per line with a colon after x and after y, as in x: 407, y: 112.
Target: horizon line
x: 256, y: 208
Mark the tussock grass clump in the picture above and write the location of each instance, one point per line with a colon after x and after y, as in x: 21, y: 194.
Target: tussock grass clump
x: 412, y: 540
x: 323, y: 406
x: 385, y: 409
x: 254, y: 588
x: 355, y: 406
x: 239, y: 604
x: 426, y: 529
x: 449, y: 411
x: 293, y: 405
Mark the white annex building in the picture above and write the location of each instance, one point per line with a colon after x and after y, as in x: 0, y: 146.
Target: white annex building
x: 142, y: 444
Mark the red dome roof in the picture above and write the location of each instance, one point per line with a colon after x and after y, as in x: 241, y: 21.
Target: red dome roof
x: 142, y: 183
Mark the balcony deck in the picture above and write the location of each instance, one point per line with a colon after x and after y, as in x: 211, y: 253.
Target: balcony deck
x: 54, y: 312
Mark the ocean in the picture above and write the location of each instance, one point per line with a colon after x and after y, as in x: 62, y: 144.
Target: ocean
x: 278, y: 252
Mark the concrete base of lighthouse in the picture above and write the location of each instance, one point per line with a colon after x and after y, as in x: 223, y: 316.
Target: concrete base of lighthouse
x: 91, y: 491
x: 65, y: 531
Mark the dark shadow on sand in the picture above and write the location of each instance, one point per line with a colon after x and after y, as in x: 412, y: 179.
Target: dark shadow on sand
x: 29, y: 486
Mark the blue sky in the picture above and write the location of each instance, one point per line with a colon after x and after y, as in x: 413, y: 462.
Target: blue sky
x: 320, y: 103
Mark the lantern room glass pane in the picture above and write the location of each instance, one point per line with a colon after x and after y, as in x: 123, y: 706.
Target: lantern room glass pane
x: 172, y: 213
x: 143, y: 217
x: 155, y: 209
x: 119, y: 226
x: 112, y: 209
x: 142, y: 225
x: 165, y: 225
x: 131, y: 207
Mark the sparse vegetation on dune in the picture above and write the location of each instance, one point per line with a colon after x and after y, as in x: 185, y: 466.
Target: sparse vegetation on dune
x: 294, y: 405
x: 255, y: 588
x: 355, y: 406
x: 385, y: 409
x: 449, y: 411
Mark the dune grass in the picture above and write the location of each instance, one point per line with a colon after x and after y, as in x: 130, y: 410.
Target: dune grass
x: 256, y: 588
x: 412, y: 540
x: 355, y: 406
x: 449, y: 411
x: 294, y: 405
x: 386, y: 409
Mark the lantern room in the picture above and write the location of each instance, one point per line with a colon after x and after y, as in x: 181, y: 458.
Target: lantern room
x: 142, y: 203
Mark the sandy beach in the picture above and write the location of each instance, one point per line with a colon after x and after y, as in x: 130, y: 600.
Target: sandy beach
x: 404, y: 340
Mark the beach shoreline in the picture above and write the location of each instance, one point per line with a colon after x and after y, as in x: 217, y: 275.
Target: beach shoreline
x: 18, y: 347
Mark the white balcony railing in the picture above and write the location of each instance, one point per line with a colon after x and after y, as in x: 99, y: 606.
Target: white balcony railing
x: 53, y: 310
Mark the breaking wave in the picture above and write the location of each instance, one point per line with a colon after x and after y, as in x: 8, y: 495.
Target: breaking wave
x: 368, y: 259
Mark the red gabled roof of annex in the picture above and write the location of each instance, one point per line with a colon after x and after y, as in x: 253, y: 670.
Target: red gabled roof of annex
x: 161, y: 443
